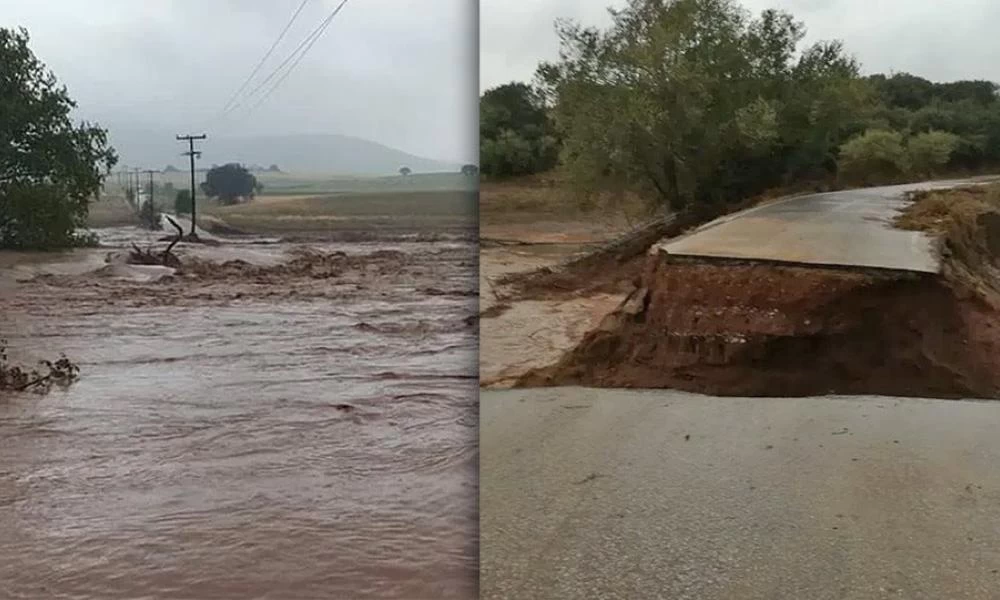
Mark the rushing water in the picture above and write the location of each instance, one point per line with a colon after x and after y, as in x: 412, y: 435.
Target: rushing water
x: 250, y: 435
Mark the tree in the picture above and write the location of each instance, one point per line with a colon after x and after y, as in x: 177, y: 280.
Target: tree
x: 171, y: 169
x: 167, y: 191
x: 931, y: 151
x: 50, y: 168
x: 404, y: 171
x: 874, y: 156
x: 182, y: 202
x: 470, y: 170
x: 229, y: 183
x: 515, y: 131
x: 273, y: 169
x: 696, y: 102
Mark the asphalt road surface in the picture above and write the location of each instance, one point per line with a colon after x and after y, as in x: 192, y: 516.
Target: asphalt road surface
x: 849, y: 228
x: 603, y: 494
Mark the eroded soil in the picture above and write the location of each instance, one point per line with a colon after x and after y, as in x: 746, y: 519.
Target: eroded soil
x: 768, y: 330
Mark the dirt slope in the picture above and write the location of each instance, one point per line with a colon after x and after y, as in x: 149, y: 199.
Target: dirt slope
x: 767, y: 330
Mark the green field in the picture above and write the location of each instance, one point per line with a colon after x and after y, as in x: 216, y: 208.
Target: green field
x: 288, y: 184
x: 317, y: 203
x: 352, y: 211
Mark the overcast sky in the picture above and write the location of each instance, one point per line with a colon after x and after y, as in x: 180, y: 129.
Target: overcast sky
x: 399, y: 72
x: 935, y: 39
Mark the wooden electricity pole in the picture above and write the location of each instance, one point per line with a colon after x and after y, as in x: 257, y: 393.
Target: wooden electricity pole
x: 150, y: 173
x: 191, y: 153
x: 138, y: 186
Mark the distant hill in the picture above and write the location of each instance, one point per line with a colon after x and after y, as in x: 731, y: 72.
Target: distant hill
x: 322, y: 153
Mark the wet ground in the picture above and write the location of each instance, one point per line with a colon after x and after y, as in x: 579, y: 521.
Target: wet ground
x: 299, y: 422
x: 849, y: 228
x: 657, y: 494
x: 521, y: 335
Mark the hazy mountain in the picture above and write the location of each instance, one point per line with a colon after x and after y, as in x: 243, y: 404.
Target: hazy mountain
x: 321, y: 153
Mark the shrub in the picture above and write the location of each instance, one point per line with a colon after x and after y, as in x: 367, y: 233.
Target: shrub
x: 874, y: 156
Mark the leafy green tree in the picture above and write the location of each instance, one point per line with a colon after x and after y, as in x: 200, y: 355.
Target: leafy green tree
x: 697, y: 102
x: 515, y: 132
x: 404, y: 171
x: 229, y: 183
x: 50, y: 169
x: 874, y: 156
x: 182, y: 202
x: 904, y: 90
x: 931, y: 151
x: 470, y: 170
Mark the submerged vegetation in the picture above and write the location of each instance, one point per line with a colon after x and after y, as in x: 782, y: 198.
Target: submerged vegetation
x: 17, y: 378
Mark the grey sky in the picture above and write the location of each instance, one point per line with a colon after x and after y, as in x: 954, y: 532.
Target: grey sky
x: 938, y: 40
x: 398, y: 72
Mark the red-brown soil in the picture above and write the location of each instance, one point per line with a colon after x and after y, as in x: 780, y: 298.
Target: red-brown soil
x: 769, y: 330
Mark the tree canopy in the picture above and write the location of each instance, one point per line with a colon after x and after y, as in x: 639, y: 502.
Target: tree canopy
x: 229, y: 183
x: 50, y: 168
x: 697, y: 102
x: 516, y: 134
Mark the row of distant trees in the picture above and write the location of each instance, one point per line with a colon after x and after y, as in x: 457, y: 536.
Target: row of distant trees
x: 469, y: 170
x: 698, y: 103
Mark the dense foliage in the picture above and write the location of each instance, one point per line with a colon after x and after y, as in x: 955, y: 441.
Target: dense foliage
x: 50, y: 169
x: 230, y: 183
x: 699, y: 103
x: 515, y: 132
x: 182, y: 202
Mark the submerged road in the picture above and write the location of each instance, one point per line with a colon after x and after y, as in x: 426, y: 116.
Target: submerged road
x: 847, y: 228
x: 603, y: 494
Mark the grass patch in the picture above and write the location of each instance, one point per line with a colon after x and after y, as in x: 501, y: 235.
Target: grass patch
x: 402, y: 210
x: 967, y: 222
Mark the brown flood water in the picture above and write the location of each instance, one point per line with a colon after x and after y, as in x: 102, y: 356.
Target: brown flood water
x: 245, y: 432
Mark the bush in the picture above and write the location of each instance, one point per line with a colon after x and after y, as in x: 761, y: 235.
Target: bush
x: 874, y: 156
x: 36, y: 217
x: 182, y: 202
x: 930, y: 151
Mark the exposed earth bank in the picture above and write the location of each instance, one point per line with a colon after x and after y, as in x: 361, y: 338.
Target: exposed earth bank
x: 765, y: 330
x: 758, y: 329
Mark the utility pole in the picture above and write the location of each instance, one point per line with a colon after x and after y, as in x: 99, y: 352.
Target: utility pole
x: 150, y: 173
x: 191, y: 153
x: 134, y: 185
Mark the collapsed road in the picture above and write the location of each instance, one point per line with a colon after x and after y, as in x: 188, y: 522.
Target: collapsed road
x: 809, y: 295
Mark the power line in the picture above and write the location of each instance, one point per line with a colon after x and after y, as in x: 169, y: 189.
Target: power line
x: 299, y: 59
x: 260, y: 64
x: 306, y: 43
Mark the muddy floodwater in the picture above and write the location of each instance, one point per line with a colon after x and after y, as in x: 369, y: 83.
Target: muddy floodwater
x: 277, y: 421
